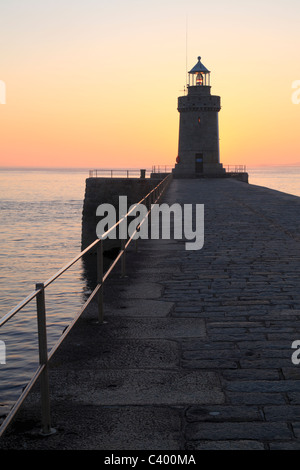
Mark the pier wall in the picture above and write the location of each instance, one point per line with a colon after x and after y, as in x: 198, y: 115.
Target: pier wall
x: 107, y: 190
x: 240, y: 176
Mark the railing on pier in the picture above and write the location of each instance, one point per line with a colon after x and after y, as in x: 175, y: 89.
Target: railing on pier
x: 39, y: 294
x: 235, y: 168
x: 118, y: 173
x: 161, y: 168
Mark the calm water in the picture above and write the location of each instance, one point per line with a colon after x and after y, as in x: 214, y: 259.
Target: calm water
x: 285, y: 179
x: 40, y: 230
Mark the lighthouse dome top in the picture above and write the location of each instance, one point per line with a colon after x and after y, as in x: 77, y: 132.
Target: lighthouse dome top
x: 199, y: 68
x: 200, y: 74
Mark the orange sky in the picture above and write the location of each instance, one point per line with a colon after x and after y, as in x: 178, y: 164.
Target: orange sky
x: 95, y: 84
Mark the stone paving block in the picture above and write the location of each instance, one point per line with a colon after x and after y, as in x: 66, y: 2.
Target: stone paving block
x: 145, y: 387
x: 277, y: 353
x: 168, y: 328
x: 219, y: 364
x: 234, y: 324
x: 264, y: 386
x: 291, y: 373
x: 141, y: 308
x: 236, y: 337
x: 231, y: 331
x: 193, y: 344
x: 243, y: 303
x: 264, y: 345
x: 236, y: 431
x: 192, y: 313
x: 274, y: 329
x: 251, y: 374
x: 294, y: 398
x: 223, y: 413
x: 282, y: 413
x: 288, y: 337
x: 134, y: 353
x: 257, y: 398
x: 225, y: 445
x: 101, y: 428
x: 264, y: 363
x: 286, y: 445
x: 200, y: 354
x: 296, y: 429
x: 142, y: 290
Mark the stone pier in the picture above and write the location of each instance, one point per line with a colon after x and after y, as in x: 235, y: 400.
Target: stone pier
x: 195, y: 352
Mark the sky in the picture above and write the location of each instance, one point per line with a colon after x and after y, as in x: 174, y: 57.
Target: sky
x: 94, y: 84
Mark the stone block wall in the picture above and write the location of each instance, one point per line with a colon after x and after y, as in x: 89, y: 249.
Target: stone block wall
x: 107, y: 190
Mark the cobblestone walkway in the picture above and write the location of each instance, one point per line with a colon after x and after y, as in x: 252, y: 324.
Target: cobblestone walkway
x: 196, y: 352
x: 244, y: 284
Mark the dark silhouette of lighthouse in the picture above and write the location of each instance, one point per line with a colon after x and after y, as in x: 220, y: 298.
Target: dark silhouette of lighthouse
x: 198, y: 147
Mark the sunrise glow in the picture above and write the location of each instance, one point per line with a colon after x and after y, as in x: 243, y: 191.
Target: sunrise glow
x: 95, y: 83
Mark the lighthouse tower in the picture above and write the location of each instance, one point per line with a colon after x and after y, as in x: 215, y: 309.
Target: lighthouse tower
x: 198, y: 148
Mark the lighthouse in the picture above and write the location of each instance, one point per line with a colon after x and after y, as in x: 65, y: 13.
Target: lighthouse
x: 198, y: 146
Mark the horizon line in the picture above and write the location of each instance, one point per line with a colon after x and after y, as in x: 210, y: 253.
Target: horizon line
x: 24, y: 167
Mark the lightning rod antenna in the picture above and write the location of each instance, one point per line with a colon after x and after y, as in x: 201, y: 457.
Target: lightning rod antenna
x: 186, y: 49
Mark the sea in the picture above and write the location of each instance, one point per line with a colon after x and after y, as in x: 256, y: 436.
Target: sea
x: 40, y: 232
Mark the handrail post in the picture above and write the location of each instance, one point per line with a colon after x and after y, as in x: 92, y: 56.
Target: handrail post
x: 149, y: 207
x: 100, y: 279
x: 123, y: 260
x: 149, y: 201
x: 43, y: 356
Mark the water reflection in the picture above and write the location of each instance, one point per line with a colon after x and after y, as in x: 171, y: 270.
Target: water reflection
x: 40, y: 229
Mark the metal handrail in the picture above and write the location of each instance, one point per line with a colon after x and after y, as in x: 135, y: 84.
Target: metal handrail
x: 18, y: 307
x: 114, y: 172
x: 42, y: 371
x: 161, y: 168
x: 235, y: 168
